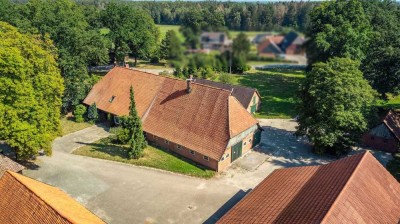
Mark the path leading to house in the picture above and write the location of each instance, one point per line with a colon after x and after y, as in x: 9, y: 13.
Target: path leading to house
x: 121, y: 193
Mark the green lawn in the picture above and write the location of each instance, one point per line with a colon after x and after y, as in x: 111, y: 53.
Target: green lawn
x: 277, y: 89
x: 165, y: 28
x: 394, y: 102
x: 68, y: 125
x: 153, y: 157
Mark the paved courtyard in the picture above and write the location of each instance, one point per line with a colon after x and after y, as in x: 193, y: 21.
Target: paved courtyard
x: 121, y: 193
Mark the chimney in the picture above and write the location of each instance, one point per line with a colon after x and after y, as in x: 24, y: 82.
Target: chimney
x: 126, y: 65
x: 188, y: 81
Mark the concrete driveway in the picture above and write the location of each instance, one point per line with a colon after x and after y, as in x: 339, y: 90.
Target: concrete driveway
x: 121, y: 193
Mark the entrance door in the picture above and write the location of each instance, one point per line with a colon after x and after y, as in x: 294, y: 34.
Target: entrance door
x: 253, y: 108
x: 256, y: 138
x: 236, y: 151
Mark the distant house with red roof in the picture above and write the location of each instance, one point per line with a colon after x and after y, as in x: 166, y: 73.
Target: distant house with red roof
x: 386, y: 135
x: 356, y: 189
x: 203, y: 123
x: 24, y: 200
x: 9, y: 164
x: 276, y: 46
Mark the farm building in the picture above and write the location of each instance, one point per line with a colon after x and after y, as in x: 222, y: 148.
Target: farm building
x: 24, y: 200
x: 8, y: 164
x: 217, y: 41
x: 386, y: 135
x: 249, y: 98
x: 275, y: 46
x: 203, y: 123
x: 356, y: 189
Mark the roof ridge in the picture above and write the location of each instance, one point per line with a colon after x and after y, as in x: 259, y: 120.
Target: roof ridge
x: 12, y: 174
x: 365, y: 153
x: 234, y: 85
x: 173, y: 78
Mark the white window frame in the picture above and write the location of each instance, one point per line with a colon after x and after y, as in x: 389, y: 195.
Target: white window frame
x: 206, y: 158
x: 166, y: 141
x: 193, y: 153
x: 179, y: 147
x: 155, y: 137
x: 227, y: 155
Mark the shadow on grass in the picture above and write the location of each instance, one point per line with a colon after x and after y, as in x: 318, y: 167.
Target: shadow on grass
x: 226, y: 207
x: 277, y: 90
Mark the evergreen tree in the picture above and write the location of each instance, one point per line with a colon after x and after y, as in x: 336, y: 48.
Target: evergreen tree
x: 171, y: 46
x: 137, y: 142
x: 93, y: 114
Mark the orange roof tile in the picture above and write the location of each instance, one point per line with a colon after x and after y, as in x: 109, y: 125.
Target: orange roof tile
x: 392, y: 121
x: 117, y: 83
x: 24, y: 200
x: 357, y: 189
x: 203, y: 120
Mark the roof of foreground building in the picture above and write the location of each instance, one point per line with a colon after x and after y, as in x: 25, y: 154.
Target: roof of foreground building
x: 356, y: 189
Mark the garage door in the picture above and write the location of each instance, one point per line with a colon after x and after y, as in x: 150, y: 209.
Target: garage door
x: 236, y: 151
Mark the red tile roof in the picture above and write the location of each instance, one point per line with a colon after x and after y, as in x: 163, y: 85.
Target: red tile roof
x: 8, y: 164
x: 356, y: 189
x: 24, y: 200
x: 392, y: 121
x: 203, y: 120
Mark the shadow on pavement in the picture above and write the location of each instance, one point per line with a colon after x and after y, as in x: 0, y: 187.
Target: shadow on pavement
x: 226, y: 207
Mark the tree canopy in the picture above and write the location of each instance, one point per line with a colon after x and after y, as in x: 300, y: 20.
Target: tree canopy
x: 338, y: 29
x: 171, y: 46
x: 334, y: 104
x: 31, y: 87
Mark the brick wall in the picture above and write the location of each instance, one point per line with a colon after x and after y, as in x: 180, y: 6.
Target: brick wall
x: 196, y: 157
x: 379, y: 143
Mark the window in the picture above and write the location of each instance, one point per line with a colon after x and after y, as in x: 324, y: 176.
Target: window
x: 179, y: 147
x: 244, y: 143
x: 111, y: 99
x: 222, y: 159
x: 155, y: 137
x: 249, y: 140
x: 206, y: 158
x: 192, y: 152
x: 166, y: 142
x: 227, y: 155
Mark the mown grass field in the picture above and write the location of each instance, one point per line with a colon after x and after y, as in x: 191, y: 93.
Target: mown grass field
x: 277, y: 89
x: 153, y: 157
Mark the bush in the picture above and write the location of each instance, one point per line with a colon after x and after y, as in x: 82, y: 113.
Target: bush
x: 79, y: 113
x: 121, y: 135
x: 93, y: 114
x: 226, y: 78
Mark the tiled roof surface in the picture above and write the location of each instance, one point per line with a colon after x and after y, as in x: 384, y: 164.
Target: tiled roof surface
x: 392, y: 121
x: 24, y: 200
x: 239, y: 119
x: 357, y: 189
x: 198, y: 120
x: 8, y: 164
x: 241, y: 93
x: 272, y: 43
x: 117, y: 83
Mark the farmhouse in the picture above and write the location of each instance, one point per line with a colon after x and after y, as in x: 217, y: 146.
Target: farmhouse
x: 386, y: 135
x: 248, y: 97
x: 356, y: 189
x: 276, y: 46
x: 8, y: 164
x: 217, y: 41
x: 203, y: 123
x: 24, y: 200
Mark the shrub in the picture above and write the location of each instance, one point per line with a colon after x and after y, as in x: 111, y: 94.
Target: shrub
x: 79, y: 113
x: 121, y: 135
x: 226, y: 78
x: 93, y: 114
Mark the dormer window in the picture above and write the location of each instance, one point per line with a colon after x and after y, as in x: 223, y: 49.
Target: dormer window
x: 111, y: 99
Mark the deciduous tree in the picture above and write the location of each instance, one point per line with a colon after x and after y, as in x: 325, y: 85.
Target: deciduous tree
x: 334, y: 104
x: 31, y: 87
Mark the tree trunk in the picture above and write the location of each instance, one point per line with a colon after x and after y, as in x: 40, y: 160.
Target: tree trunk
x: 135, y: 60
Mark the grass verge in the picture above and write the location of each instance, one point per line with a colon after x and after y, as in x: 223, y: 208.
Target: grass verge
x: 152, y: 157
x: 68, y: 125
